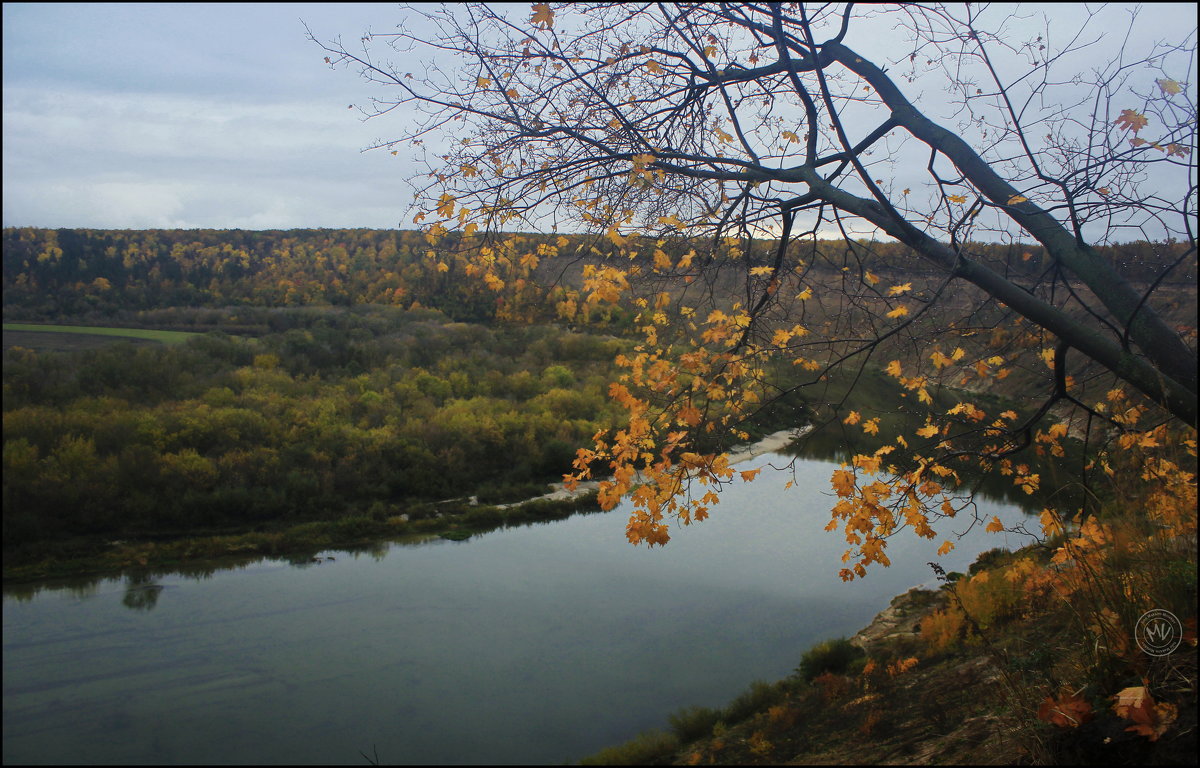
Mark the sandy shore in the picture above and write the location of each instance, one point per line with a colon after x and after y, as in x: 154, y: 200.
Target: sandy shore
x: 772, y: 443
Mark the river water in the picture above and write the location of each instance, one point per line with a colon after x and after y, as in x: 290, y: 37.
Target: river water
x: 537, y: 644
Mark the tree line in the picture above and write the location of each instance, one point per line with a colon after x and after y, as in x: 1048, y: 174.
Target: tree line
x: 371, y: 410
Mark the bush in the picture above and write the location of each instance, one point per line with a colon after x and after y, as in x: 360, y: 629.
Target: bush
x: 990, y: 560
x: 692, y: 723
x: 646, y: 748
x: 830, y: 656
x: 757, y: 698
x: 941, y: 630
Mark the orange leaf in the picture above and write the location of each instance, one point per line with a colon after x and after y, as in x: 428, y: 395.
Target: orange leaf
x: 1067, y: 711
x: 1149, y: 719
x: 542, y: 15
x: 1131, y: 120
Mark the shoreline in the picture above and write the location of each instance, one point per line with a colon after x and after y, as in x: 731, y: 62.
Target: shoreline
x: 117, y: 559
x: 739, y: 454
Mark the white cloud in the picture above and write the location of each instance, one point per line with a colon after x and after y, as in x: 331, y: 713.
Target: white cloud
x: 152, y: 160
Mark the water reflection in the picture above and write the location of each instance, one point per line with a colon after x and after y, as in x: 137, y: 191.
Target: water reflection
x: 140, y: 595
x: 533, y: 645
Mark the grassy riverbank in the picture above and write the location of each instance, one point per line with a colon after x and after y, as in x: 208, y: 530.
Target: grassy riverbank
x: 904, y: 692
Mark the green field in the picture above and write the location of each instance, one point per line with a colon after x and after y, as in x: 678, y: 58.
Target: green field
x: 165, y: 337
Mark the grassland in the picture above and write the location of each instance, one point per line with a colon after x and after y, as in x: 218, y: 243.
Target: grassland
x: 163, y: 337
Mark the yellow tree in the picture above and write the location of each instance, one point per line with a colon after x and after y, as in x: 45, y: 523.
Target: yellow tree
x: 780, y: 191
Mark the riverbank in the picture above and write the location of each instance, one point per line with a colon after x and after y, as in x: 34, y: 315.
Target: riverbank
x: 772, y: 443
x: 900, y: 693
x: 453, y: 519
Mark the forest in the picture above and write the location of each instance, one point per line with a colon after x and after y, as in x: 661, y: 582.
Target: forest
x: 339, y: 373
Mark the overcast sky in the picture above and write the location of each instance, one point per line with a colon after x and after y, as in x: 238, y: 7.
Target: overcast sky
x: 222, y: 116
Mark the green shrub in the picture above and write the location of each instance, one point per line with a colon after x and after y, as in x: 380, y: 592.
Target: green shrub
x: 646, y: 748
x: 990, y: 560
x: 692, y: 723
x: 829, y: 656
x: 757, y: 698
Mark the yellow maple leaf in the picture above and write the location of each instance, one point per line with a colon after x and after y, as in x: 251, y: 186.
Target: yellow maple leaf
x: 960, y: 199
x: 852, y: 418
x: 749, y: 474
x: 1048, y: 357
x: 893, y: 369
x: 929, y: 430
x: 995, y: 526
x: 512, y: 93
x: 1168, y: 87
x: 1017, y: 199
x: 843, y: 482
x: 542, y: 16
x: 896, y: 290
x: 1051, y: 525
x: 945, y: 548
x: 654, y: 67
x: 1131, y: 120
x: 899, y: 311
x: 445, y: 205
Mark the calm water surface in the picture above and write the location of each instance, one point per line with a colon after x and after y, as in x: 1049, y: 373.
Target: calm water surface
x: 538, y: 644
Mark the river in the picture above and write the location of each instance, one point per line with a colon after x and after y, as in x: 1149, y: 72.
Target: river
x: 537, y: 644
